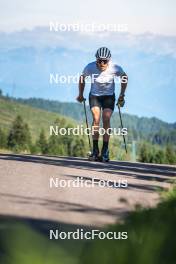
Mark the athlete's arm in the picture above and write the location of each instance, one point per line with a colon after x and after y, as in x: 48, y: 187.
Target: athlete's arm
x: 124, y: 82
x: 80, y: 97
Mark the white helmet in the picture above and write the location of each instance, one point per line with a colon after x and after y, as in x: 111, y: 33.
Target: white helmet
x: 103, y: 53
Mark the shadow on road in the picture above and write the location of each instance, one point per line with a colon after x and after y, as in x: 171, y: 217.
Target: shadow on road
x: 115, y: 185
x: 139, y: 171
x: 65, y: 207
x: 126, y: 169
x: 111, y: 167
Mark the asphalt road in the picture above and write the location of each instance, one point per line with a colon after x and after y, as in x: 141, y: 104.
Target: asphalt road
x: 25, y: 188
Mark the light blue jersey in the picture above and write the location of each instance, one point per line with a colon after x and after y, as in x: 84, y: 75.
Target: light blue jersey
x: 102, y: 82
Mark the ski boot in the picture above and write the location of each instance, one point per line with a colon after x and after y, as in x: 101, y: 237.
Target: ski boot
x: 94, y: 156
x: 105, y: 155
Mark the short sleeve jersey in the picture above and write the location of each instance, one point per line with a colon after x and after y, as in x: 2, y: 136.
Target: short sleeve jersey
x: 102, y: 82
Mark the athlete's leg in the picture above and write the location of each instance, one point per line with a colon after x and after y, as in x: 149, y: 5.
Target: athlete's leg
x: 106, y: 116
x: 95, y: 106
x: 107, y: 113
x: 96, y: 113
x: 108, y: 108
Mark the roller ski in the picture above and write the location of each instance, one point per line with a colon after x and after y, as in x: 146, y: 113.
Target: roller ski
x: 104, y: 156
x: 94, y: 155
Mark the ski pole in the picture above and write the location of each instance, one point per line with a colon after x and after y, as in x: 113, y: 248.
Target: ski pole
x: 124, y: 140
x: 85, y: 112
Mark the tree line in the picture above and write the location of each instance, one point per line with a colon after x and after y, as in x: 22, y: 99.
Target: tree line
x: 151, y: 130
x: 154, y: 154
x: 19, y: 139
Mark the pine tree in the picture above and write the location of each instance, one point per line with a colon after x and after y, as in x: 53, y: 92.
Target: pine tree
x: 170, y: 155
x: 144, y: 154
x: 79, y: 148
x: 56, y: 146
x: 159, y: 157
x: 19, y: 137
x: 3, y: 139
x: 42, y: 143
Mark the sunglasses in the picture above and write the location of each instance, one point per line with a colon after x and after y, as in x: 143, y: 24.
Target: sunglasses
x: 103, y: 61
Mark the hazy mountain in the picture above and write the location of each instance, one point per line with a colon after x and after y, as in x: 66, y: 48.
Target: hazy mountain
x: 28, y: 57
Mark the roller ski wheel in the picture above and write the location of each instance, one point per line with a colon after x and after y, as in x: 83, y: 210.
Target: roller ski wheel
x: 94, y: 156
x: 105, y: 156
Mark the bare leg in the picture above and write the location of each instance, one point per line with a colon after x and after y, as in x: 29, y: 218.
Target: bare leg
x: 96, y: 113
x: 106, y: 122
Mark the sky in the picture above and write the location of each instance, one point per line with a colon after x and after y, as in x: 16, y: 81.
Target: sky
x: 155, y: 16
x: 147, y: 50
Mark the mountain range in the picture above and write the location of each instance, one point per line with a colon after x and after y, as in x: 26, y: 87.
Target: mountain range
x: 28, y: 57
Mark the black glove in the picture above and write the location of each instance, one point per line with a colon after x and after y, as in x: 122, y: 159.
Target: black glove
x: 121, y: 100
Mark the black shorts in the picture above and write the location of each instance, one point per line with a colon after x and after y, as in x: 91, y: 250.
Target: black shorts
x: 103, y: 101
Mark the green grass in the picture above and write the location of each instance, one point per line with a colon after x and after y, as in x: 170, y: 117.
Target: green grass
x: 37, y: 119
x: 151, y: 240
x: 23, y: 245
